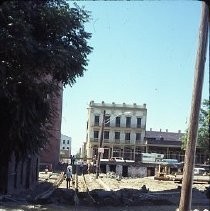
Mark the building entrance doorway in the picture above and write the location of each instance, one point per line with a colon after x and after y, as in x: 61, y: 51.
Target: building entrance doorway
x: 125, y: 171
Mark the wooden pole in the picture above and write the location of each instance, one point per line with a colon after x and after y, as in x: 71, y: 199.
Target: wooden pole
x: 186, y: 191
x: 100, y: 145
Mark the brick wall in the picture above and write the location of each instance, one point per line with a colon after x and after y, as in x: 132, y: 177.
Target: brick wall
x: 23, y: 174
x: 50, y: 156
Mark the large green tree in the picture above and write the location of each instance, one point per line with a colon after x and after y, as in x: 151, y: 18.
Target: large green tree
x: 204, y: 126
x: 203, y: 141
x: 43, y: 43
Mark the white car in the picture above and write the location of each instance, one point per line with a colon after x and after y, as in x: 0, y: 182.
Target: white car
x: 199, y: 171
x: 117, y: 159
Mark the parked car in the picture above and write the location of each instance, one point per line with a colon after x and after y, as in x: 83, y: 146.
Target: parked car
x: 199, y: 171
x: 117, y: 159
x: 130, y: 161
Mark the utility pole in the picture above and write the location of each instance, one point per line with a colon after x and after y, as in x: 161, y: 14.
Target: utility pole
x: 100, y: 145
x: 186, y: 191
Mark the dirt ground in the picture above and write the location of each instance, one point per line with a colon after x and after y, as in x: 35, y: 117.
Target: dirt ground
x: 136, y: 183
x: 53, y: 207
x: 168, y: 189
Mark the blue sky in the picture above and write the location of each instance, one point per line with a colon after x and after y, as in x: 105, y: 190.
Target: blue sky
x: 144, y: 52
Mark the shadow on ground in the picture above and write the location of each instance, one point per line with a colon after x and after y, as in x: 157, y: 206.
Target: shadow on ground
x: 122, y: 197
x: 99, y: 198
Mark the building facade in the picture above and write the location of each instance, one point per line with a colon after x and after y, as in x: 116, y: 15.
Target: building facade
x: 19, y: 175
x: 65, y: 148
x: 164, y: 142
x: 49, y: 156
x: 125, y: 134
x: 170, y: 144
x: 124, y: 130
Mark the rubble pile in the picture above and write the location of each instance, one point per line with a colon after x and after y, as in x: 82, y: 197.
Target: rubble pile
x: 123, y: 197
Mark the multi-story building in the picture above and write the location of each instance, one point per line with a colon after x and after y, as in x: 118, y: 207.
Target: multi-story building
x: 169, y: 144
x: 124, y: 129
x: 65, y: 148
x: 125, y: 134
x: 17, y: 175
x: 164, y: 142
x: 50, y: 154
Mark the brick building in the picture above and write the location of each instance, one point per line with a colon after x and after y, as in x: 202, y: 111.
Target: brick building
x: 50, y: 155
x: 23, y: 174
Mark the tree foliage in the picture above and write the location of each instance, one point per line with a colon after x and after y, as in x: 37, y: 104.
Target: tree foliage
x: 204, y: 128
x: 43, y: 44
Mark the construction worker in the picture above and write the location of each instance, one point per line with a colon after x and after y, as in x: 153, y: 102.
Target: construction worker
x: 68, y: 176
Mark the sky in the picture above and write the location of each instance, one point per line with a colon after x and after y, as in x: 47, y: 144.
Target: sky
x: 143, y: 52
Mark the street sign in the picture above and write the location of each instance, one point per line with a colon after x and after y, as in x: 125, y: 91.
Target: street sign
x: 101, y: 150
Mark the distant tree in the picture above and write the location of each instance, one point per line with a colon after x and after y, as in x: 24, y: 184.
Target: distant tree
x: 43, y: 44
x: 78, y: 155
x: 204, y: 128
x: 184, y: 139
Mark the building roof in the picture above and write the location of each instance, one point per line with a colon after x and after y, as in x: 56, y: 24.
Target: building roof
x: 65, y: 137
x: 163, y: 136
x: 115, y: 105
x: 163, y: 143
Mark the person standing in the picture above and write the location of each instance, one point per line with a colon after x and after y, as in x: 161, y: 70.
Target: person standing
x: 89, y: 168
x: 68, y: 176
x: 72, y: 158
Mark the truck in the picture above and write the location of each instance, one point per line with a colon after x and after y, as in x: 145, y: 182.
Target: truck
x: 151, y: 157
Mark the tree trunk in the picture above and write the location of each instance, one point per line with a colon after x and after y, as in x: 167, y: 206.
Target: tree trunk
x: 3, y: 177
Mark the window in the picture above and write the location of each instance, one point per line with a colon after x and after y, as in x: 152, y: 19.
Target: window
x: 96, y: 133
x: 96, y: 122
x: 127, y: 136
x: 107, y: 121
x: 117, y: 122
x: 128, y: 121
x: 67, y: 147
x: 106, y: 134
x: 138, y: 136
x: 138, y: 122
x: 63, y: 141
x: 117, y: 135
x: 67, y: 141
x: 63, y: 147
